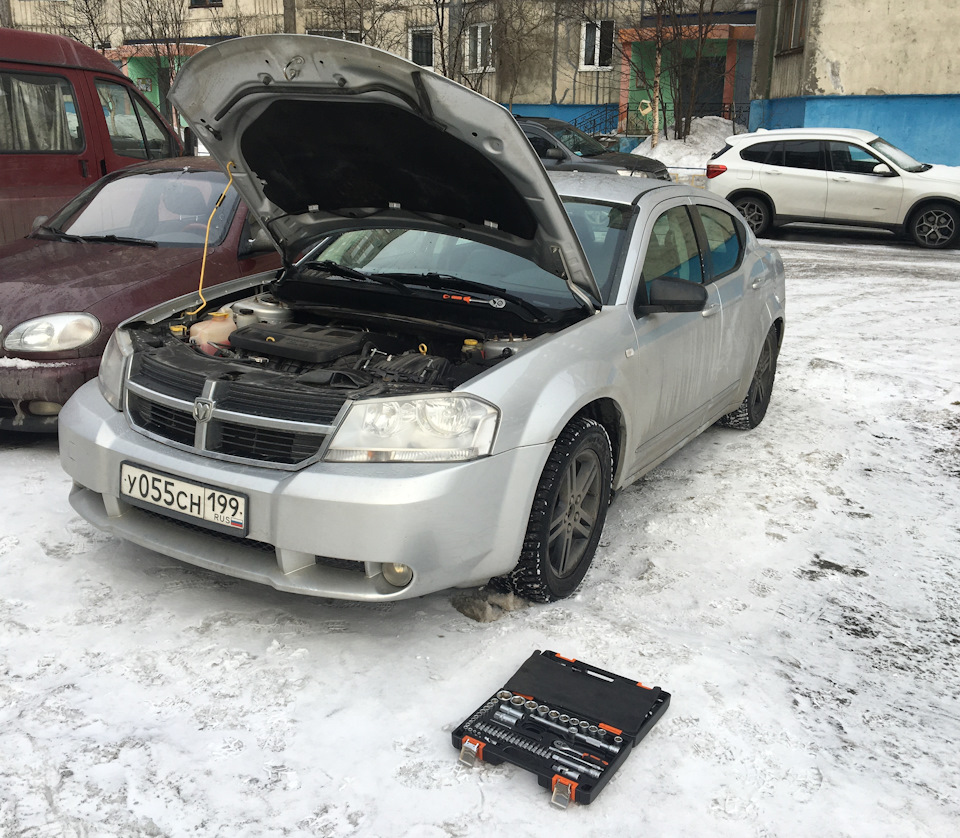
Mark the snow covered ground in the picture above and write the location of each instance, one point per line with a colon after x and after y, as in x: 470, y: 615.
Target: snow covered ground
x: 795, y: 588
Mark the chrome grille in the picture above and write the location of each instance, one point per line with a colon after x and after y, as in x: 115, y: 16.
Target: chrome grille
x: 243, y: 422
x: 267, y: 444
x: 163, y: 420
x: 268, y: 401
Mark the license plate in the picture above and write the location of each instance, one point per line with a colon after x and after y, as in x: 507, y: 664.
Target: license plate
x: 183, y: 499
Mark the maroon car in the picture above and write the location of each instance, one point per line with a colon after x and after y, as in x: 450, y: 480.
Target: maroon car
x: 132, y: 240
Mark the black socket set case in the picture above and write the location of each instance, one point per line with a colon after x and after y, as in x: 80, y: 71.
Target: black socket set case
x: 571, y: 724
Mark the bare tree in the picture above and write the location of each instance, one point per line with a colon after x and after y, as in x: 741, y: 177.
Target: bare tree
x: 87, y: 21
x: 162, y: 25
x: 522, y: 36
x: 230, y: 21
x: 677, y: 32
x: 371, y: 22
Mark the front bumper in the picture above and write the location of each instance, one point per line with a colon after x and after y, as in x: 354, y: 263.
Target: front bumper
x: 23, y: 382
x: 324, y: 530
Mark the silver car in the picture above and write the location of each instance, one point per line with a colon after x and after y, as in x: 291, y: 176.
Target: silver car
x: 455, y: 370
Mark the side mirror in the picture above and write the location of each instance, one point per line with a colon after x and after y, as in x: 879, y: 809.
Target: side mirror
x: 554, y: 154
x: 668, y: 294
x: 883, y: 170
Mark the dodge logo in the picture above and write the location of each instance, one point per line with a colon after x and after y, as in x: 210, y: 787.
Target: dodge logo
x: 202, y: 410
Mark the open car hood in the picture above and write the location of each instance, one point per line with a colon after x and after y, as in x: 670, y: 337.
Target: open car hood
x: 327, y: 134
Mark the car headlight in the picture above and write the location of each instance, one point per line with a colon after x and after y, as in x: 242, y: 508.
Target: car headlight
x: 626, y: 172
x: 416, y: 429
x: 112, y: 367
x: 53, y: 333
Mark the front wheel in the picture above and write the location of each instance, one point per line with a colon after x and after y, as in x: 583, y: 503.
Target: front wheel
x: 568, y: 513
x: 754, y: 405
x: 757, y: 213
x: 935, y: 226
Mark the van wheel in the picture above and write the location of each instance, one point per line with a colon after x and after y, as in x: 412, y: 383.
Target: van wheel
x: 935, y: 226
x: 754, y: 405
x: 757, y: 213
x: 569, y: 510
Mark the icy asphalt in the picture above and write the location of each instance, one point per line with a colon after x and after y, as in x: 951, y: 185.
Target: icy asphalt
x: 794, y: 588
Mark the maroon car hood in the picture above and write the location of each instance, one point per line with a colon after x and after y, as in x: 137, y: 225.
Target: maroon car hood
x: 40, y: 277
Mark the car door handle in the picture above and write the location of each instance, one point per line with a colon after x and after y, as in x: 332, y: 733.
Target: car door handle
x: 709, y: 311
x: 841, y: 179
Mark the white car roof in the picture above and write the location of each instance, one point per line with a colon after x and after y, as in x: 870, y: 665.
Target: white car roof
x: 804, y: 134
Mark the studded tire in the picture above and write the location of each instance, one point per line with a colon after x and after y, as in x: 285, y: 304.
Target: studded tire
x: 754, y: 405
x: 568, y: 514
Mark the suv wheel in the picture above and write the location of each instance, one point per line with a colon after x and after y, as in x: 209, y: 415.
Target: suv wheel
x: 935, y: 225
x: 757, y: 213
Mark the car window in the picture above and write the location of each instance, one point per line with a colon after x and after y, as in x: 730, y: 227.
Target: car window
x: 846, y: 157
x: 763, y: 153
x: 38, y: 113
x: 583, y: 145
x: 540, y: 144
x: 672, y: 250
x: 723, y: 239
x: 802, y: 154
x: 418, y: 252
x: 602, y: 230
x: 134, y: 131
x: 166, y: 207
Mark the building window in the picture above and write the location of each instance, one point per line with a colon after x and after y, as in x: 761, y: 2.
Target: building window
x: 205, y: 4
x: 596, y: 46
x: 480, y: 48
x: 421, y: 47
x: 793, y: 24
x: 341, y: 34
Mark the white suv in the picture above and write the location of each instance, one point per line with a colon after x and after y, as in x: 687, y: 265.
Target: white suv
x: 836, y: 176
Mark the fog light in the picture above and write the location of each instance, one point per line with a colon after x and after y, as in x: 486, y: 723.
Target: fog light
x: 44, y: 408
x: 398, y: 575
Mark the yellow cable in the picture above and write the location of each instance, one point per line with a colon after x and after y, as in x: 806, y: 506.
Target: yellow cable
x: 206, y: 241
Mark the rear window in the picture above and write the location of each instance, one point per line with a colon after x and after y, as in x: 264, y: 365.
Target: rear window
x: 761, y: 153
x: 38, y: 113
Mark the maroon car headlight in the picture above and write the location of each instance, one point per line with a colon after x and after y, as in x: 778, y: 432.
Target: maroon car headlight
x: 53, y: 333
x: 113, y: 367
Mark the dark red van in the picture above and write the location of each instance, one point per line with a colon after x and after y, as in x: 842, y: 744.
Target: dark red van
x: 67, y: 117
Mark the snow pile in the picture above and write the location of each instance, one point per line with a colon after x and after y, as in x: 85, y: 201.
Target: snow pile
x: 707, y: 135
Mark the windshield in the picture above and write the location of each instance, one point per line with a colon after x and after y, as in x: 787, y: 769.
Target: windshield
x: 170, y: 207
x: 579, y: 143
x: 405, y: 254
x: 898, y: 156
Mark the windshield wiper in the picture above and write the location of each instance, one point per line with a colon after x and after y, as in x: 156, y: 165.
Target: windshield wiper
x: 327, y: 266
x: 112, y: 239
x: 449, y: 282
x: 66, y: 237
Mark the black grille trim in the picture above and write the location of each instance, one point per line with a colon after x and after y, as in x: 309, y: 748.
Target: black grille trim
x: 159, y: 419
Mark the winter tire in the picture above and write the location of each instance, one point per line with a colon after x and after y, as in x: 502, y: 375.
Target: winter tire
x: 754, y: 405
x: 757, y: 213
x: 935, y: 226
x: 569, y: 509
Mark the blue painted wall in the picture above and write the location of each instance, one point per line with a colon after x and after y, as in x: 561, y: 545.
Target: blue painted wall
x: 568, y: 113
x: 926, y: 127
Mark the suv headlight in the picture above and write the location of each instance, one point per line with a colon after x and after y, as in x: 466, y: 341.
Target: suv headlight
x: 415, y: 429
x: 112, y: 367
x: 53, y: 333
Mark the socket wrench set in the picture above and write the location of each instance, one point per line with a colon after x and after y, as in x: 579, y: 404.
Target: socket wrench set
x: 571, y: 724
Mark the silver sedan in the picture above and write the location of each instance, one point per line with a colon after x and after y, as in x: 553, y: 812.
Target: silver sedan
x: 448, y: 387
